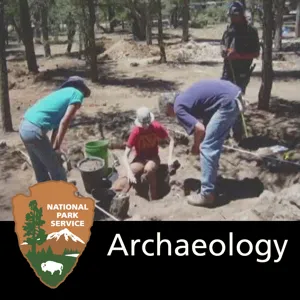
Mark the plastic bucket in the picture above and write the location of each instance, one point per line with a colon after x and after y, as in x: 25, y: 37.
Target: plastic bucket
x: 92, y: 172
x: 98, y: 149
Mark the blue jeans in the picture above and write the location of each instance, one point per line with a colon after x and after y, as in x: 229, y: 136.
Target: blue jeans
x: 44, y: 160
x: 217, y: 130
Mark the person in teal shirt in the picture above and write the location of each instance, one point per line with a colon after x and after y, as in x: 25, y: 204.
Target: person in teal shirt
x: 51, y: 113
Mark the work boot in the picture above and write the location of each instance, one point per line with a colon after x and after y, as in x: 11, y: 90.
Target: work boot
x: 201, y: 200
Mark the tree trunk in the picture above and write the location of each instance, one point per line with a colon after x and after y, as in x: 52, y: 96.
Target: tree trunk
x: 4, y: 95
x: 91, y: 41
x: 80, y: 35
x: 37, y: 28
x: 45, y: 30
x: 267, y: 67
x: 139, y: 28
x: 111, y: 17
x: 27, y: 36
x: 149, y: 22
x: 174, y: 17
x: 6, y: 34
x: 279, y: 9
x: 297, y: 29
x: 137, y: 12
x: 17, y: 28
x: 163, y: 58
x: 185, y: 21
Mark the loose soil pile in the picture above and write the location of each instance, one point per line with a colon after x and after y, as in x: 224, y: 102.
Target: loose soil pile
x: 91, y: 165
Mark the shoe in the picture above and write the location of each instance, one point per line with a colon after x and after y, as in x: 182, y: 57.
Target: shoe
x: 201, y: 200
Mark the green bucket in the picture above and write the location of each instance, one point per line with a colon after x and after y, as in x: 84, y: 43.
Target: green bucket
x: 98, y: 149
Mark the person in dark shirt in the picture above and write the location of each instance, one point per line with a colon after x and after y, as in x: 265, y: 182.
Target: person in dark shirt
x: 239, y: 46
x: 217, y: 103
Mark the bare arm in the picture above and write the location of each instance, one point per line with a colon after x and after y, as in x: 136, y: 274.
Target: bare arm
x: 64, y: 124
x: 126, y: 156
x: 53, y: 136
x: 171, y: 149
x: 199, y: 134
x: 131, y: 177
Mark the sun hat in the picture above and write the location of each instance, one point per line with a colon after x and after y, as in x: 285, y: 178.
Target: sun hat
x: 165, y: 99
x: 76, y: 82
x: 143, y: 117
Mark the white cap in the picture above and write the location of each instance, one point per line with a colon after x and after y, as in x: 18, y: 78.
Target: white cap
x: 143, y: 117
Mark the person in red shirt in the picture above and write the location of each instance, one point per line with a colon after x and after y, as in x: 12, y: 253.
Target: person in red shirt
x: 145, y: 138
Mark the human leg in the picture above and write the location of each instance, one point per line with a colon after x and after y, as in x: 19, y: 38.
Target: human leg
x: 150, y: 175
x: 50, y: 159
x: 29, y: 136
x: 211, y: 147
x: 227, y: 71
x: 42, y: 155
x: 122, y: 184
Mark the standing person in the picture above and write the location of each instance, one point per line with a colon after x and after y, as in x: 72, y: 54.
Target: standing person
x: 239, y: 46
x: 144, y: 138
x: 52, y: 113
x: 217, y: 103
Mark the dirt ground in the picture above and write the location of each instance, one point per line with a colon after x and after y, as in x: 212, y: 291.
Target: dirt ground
x: 130, y: 77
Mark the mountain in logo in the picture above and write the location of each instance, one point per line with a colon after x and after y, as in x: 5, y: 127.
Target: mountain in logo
x: 59, y: 242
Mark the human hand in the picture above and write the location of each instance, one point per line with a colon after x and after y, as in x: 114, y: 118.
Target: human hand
x: 131, y: 177
x: 233, y: 55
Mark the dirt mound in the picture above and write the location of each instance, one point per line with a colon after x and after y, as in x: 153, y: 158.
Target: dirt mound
x: 131, y: 49
x: 284, y: 205
x: 193, y: 51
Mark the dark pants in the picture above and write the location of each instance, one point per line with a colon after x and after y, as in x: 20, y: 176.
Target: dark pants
x: 237, y: 72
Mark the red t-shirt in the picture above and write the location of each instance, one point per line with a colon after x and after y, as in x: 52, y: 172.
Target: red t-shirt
x: 145, y: 141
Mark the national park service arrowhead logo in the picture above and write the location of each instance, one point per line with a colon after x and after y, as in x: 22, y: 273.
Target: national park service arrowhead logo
x: 53, y: 227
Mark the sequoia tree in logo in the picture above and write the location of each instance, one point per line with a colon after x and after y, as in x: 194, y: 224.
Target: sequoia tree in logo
x: 53, y: 226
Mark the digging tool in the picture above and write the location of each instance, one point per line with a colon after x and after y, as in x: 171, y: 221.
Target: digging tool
x: 260, y: 157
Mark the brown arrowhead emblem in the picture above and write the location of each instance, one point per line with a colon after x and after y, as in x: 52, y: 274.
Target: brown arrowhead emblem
x: 53, y: 226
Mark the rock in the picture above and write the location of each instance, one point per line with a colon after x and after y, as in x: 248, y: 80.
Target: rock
x: 3, y: 144
x: 134, y: 64
x: 120, y: 206
x: 24, y: 166
x: 283, y: 205
x: 74, y: 149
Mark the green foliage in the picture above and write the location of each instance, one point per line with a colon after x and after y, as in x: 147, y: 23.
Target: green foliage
x: 36, y: 259
x: 209, y: 16
x: 34, y: 233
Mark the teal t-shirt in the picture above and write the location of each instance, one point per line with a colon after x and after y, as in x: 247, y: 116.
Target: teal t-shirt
x: 49, y: 111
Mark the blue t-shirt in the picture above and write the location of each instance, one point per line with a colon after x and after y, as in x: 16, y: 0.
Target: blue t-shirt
x: 202, y: 100
x: 49, y: 111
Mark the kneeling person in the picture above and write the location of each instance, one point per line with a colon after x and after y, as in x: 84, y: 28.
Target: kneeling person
x: 145, y: 138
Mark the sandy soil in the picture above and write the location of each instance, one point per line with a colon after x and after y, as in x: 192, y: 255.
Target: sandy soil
x: 129, y: 78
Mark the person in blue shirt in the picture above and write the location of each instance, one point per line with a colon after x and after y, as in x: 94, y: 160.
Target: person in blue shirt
x: 218, y: 104
x: 51, y: 113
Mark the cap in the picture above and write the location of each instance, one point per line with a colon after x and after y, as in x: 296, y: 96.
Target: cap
x: 236, y: 8
x: 77, y: 82
x: 143, y: 117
